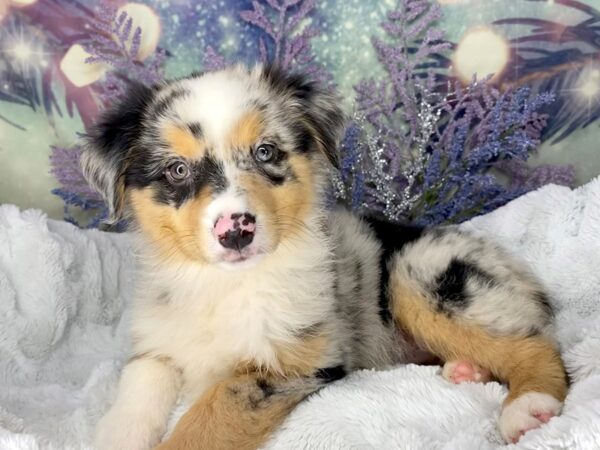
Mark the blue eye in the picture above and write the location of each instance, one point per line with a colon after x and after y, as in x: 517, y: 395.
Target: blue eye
x: 265, y: 153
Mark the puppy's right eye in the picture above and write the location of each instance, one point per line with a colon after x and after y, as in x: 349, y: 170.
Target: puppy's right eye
x: 177, y: 172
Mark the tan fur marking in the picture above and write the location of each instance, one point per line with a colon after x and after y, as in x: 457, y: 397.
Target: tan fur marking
x: 528, y: 364
x: 297, y: 198
x: 174, y: 231
x: 247, y: 131
x: 183, y: 142
x: 283, y: 208
x: 295, y: 359
x: 234, y: 414
x: 303, y: 358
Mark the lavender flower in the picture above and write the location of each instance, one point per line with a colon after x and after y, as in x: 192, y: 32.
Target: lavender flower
x: 65, y: 167
x: 521, y: 174
x: 213, y: 60
x: 112, y: 40
x: 426, y: 151
x: 283, y: 42
x: 76, y: 194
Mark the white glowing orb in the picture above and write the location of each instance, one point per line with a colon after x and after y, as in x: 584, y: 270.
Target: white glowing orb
x: 481, y: 52
x: 588, y: 86
x: 22, y: 51
x: 79, y: 72
x: 145, y: 18
x: 19, y: 3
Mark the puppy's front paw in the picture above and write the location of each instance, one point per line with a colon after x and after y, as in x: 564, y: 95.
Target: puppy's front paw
x: 120, y: 430
x: 526, y: 413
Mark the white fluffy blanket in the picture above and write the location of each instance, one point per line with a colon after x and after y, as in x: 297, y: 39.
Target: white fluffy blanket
x: 63, y: 297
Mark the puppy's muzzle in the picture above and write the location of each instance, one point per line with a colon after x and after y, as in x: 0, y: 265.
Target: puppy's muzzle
x: 235, y: 231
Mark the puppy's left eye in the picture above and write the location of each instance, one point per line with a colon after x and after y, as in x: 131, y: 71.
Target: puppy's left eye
x: 178, y: 172
x: 265, y: 153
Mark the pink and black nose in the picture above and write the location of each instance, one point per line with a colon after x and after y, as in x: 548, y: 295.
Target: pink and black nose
x: 235, y: 231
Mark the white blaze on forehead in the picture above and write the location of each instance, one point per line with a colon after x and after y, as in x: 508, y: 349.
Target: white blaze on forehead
x: 229, y: 202
x: 217, y: 101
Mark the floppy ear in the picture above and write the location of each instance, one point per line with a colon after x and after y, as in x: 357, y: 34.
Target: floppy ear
x: 320, y: 108
x: 107, y: 148
x: 327, y: 120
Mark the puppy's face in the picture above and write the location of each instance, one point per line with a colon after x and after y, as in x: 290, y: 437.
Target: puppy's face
x: 219, y: 168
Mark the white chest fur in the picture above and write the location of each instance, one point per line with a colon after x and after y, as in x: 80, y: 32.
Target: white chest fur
x: 207, y: 320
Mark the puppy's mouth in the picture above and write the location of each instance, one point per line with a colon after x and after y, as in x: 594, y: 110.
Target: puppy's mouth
x: 234, y: 256
x: 238, y: 259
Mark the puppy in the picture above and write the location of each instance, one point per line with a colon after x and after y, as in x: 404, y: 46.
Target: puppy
x: 251, y: 294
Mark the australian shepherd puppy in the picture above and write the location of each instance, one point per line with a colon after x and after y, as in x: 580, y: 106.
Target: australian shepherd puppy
x: 252, y: 294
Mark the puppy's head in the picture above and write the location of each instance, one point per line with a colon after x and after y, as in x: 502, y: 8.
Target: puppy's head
x: 217, y: 168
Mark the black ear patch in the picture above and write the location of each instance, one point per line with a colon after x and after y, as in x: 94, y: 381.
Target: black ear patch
x: 322, y: 114
x: 108, y: 146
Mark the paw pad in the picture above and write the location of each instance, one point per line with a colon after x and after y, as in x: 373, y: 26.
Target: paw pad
x: 462, y: 371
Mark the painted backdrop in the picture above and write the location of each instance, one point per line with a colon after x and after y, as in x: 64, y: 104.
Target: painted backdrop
x: 48, y: 93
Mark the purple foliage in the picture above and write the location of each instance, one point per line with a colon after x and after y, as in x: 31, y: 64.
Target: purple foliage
x: 75, y: 203
x: 350, y: 147
x: 523, y: 175
x: 65, y: 167
x: 213, y: 60
x: 114, y: 41
x: 284, y: 42
x: 427, y: 153
x: 75, y: 193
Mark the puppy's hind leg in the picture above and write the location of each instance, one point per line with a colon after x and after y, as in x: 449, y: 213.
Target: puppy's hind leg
x: 531, y: 365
